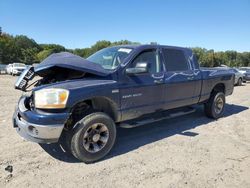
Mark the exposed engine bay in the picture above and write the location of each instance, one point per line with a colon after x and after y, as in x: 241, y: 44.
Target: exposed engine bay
x: 59, y: 67
x: 58, y: 74
x: 53, y: 75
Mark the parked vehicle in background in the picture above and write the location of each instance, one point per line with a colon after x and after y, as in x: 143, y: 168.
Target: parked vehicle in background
x: 18, y: 68
x: 35, y: 64
x: 2, y: 69
x: 128, y: 86
x: 246, y: 72
x: 9, y: 68
x: 239, y: 77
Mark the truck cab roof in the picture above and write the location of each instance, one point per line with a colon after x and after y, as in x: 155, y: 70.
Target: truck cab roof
x: 146, y: 46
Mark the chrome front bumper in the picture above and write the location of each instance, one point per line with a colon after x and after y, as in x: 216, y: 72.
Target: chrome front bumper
x: 37, y: 133
x: 45, y: 128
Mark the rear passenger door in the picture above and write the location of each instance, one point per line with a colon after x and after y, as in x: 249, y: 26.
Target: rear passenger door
x: 181, y: 86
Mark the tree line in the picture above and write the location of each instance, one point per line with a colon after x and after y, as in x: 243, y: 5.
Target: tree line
x: 22, y: 49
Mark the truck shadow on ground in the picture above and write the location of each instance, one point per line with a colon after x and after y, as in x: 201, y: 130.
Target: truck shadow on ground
x: 131, y: 139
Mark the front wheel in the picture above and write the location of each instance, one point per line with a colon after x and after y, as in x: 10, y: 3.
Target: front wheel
x: 239, y: 83
x: 93, y: 137
x: 214, y: 108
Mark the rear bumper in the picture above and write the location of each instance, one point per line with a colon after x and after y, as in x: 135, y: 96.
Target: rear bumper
x: 39, y: 128
x: 246, y: 78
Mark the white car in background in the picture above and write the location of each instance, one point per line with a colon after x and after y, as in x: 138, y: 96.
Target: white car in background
x: 9, y: 68
x: 18, y: 68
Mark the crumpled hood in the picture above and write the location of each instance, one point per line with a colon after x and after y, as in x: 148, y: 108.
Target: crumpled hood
x: 70, y: 61
x: 77, y: 84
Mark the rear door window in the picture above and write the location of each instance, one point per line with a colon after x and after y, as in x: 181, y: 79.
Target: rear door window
x: 175, y: 60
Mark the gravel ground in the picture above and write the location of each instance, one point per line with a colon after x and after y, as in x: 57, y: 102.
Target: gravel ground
x: 189, y: 151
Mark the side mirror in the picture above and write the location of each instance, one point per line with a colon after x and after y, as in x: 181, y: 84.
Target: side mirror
x: 141, y: 67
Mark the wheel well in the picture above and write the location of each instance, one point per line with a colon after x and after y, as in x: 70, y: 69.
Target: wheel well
x: 219, y: 88
x: 96, y: 104
x: 103, y: 104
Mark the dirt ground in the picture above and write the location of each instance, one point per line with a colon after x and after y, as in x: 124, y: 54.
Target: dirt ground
x: 189, y: 151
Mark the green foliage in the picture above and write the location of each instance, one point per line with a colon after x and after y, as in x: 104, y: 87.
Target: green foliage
x: 20, y: 48
x: 43, y: 54
x: 124, y: 42
x: 24, y: 42
x: 55, y: 48
x: 8, y: 50
x: 29, y: 55
x: 209, y: 58
x: 85, y: 52
x: 243, y: 59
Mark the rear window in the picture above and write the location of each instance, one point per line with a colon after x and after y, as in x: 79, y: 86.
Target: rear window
x: 175, y: 60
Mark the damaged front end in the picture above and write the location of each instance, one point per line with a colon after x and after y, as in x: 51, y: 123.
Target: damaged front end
x: 22, y: 81
x: 41, y: 116
x: 48, y: 76
x: 34, y: 124
x: 59, y: 67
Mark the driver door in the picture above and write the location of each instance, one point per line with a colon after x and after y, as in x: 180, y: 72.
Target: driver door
x: 142, y: 93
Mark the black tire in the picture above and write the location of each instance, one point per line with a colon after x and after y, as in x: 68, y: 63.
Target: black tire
x: 239, y: 83
x: 83, y: 127
x: 211, y: 107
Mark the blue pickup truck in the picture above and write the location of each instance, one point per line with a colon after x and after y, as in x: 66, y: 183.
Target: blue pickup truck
x: 127, y: 86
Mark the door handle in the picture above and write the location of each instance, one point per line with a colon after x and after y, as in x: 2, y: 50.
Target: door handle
x: 158, y: 81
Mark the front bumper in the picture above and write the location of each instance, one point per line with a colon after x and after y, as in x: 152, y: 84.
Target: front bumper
x: 17, y: 72
x: 37, y: 127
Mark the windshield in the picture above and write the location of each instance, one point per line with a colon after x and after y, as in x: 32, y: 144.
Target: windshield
x: 18, y: 65
x: 110, y: 58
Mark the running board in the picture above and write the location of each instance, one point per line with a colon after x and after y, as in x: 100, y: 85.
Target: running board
x: 165, y: 115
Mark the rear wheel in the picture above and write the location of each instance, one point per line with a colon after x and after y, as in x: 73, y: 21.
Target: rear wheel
x: 214, y: 108
x: 93, y: 137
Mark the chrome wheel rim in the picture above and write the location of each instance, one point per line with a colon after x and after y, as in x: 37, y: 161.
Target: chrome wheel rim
x: 95, y: 137
x: 219, y: 103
